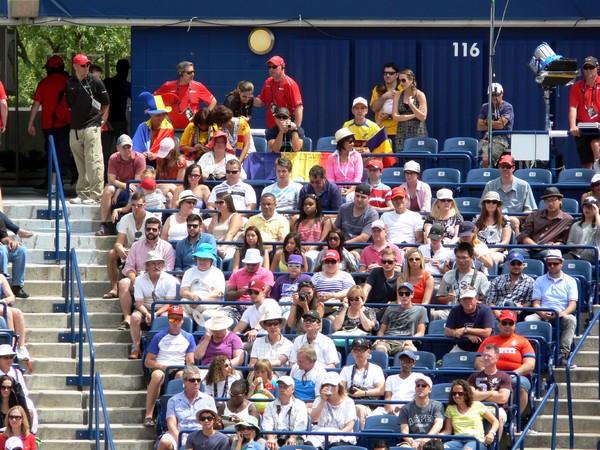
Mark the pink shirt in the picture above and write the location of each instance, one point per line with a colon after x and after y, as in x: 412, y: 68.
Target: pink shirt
x: 351, y: 171
x: 423, y: 195
x: 242, y: 277
x: 139, y: 250
x: 369, y: 255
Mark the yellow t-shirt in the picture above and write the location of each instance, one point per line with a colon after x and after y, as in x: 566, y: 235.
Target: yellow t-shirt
x: 391, y: 126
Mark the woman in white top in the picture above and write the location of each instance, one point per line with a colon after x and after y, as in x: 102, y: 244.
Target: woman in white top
x: 492, y: 226
x: 213, y: 162
x: 226, y: 226
x: 175, y: 227
x: 220, y: 377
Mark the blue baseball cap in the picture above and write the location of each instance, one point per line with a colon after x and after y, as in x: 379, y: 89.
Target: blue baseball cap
x: 407, y: 285
x: 515, y: 256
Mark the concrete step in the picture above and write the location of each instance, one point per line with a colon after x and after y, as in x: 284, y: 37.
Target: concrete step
x: 79, y: 240
x: 581, y: 407
x: 581, y: 424
x: 62, y: 444
x: 60, y: 320
x: 68, y: 366
x: 579, y: 375
x: 45, y: 304
x: 84, y: 256
x: 102, y: 350
x: 544, y: 440
x: 98, y: 336
x: 37, y: 288
x: 117, y: 399
x: 27, y: 209
x: 78, y: 415
x: 120, y: 431
x: 38, y: 381
x: 56, y: 272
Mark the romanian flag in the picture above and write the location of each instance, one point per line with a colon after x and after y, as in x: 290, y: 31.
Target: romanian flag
x: 379, y: 143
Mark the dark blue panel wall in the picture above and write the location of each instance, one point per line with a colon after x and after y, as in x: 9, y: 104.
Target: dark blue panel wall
x: 335, y: 67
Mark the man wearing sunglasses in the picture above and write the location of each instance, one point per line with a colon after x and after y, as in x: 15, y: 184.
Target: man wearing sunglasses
x: 252, y: 317
x: 502, y: 119
x: 183, y: 407
x: 324, y: 347
x: 88, y: 101
x: 189, y: 95
x: 244, y: 196
x: 516, y: 354
x: 329, y: 193
x: 286, y: 135
x: 185, y: 248
x: 422, y: 415
x: 208, y: 438
x: 170, y: 347
x: 558, y: 291
x: 513, y: 288
x: 280, y: 91
x: 584, y: 107
x: 135, y: 264
x: 274, y: 346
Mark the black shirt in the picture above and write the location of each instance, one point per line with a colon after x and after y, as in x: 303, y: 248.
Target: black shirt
x: 234, y: 103
x: 79, y: 99
x: 382, y: 289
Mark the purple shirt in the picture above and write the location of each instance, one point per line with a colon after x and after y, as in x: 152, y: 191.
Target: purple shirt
x: 230, y: 343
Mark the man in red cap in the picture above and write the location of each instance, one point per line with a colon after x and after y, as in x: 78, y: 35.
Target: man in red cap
x: 170, y: 347
x: 516, y: 353
x: 46, y: 95
x: 402, y: 224
x: 88, y: 100
x: 188, y: 93
x: 249, y: 324
x: 280, y: 91
x: 381, y: 194
x: 584, y: 107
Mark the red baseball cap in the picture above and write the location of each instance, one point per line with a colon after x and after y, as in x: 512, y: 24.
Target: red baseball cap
x: 175, y: 310
x: 256, y: 284
x: 375, y: 163
x: 81, y: 60
x: 398, y: 191
x: 331, y: 254
x: 276, y: 61
x: 508, y: 314
x: 506, y: 159
x: 55, y: 62
x: 148, y: 183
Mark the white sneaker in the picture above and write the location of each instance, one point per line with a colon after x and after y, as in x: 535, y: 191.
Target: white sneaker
x: 91, y: 201
x: 22, y: 353
x: 76, y: 201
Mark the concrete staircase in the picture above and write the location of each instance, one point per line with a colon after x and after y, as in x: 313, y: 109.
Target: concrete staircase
x: 63, y: 409
x: 586, y: 406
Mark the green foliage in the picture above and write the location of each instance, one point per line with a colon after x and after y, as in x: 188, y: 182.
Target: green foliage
x: 35, y: 43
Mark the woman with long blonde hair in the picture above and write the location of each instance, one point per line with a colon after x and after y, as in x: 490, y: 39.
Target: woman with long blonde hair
x: 409, y: 110
x: 17, y: 425
x: 414, y: 273
x: 444, y: 212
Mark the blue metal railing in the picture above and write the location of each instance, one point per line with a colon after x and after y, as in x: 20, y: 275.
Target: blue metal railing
x: 568, y: 375
x: 72, y: 273
x: 552, y: 390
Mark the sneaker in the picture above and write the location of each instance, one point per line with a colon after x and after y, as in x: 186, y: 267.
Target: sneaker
x: 102, y: 231
x: 19, y: 292
x: 531, y: 432
x: 22, y: 353
x: 91, y: 201
x: 563, y: 360
x: 76, y: 201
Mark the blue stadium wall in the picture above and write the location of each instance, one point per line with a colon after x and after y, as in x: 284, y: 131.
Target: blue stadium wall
x: 334, y: 65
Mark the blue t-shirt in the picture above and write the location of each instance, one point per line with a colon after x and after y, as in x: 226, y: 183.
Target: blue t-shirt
x: 483, y: 317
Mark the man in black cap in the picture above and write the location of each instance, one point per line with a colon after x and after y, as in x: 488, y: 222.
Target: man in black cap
x: 327, y: 355
x: 285, y: 136
x: 355, y: 218
x: 584, y: 107
x: 548, y: 226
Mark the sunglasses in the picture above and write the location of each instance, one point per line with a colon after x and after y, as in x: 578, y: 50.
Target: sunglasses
x: 460, y: 394
x: 194, y: 175
x: 231, y: 172
x: 193, y: 225
x: 329, y: 261
x: 175, y: 319
x: 294, y: 266
x: 253, y: 292
x: 191, y: 72
x: 414, y: 259
x: 516, y: 263
x: 242, y: 428
x: 388, y: 261
x: 311, y: 320
x: 280, y: 117
x: 350, y: 140
x: 272, y: 323
x: 272, y: 67
x: 390, y: 73
x: 359, y: 349
x: 589, y: 68
x: 15, y: 417
x: 354, y: 299
x: 206, y: 419
x: 404, y: 293
x: 333, y: 238
x: 445, y: 200
x: 505, y: 166
x: 138, y: 205
x: 495, y: 202
x: 194, y: 380
x: 220, y: 202
x: 507, y: 323
x: 153, y: 230
x: 552, y: 264
x: 6, y: 388
x: 496, y: 95
x: 421, y: 385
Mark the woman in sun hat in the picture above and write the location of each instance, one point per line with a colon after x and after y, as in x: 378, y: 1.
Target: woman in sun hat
x: 419, y: 192
x: 492, y: 226
x: 218, y: 340
x: 444, y: 212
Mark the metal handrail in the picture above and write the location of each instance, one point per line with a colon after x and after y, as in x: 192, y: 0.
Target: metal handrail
x: 578, y: 347
x: 101, y: 402
x: 552, y: 389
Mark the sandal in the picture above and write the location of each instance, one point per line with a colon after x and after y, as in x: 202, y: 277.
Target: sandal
x: 110, y: 294
x: 135, y: 355
x: 149, y: 422
x: 123, y: 326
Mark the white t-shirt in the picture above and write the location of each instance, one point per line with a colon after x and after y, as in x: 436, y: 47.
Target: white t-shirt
x: 243, y: 194
x: 441, y: 256
x: 253, y: 314
x: 336, y: 417
x: 127, y: 226
x: 201, y: 283
x: 323, y: 345
x: 366, y: 378
x: 403, y: 390
x: 287, y: 197
x: 402, y: 227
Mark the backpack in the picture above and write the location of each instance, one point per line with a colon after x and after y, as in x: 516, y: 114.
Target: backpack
x: 62, y: 111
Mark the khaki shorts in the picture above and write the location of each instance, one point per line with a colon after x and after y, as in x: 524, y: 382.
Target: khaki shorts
x: 392, y: 346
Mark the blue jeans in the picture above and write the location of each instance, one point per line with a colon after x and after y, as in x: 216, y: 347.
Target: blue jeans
x: 18, y: 257
x: 472, y: 444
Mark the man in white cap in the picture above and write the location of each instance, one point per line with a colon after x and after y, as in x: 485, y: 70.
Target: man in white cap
x: 502, y: 119
x: 371, y: 256
x: 363, y: 128
x: 280, y: 91
x: 286, y: 413
x: 422, y: 415
x: 7, y: 357
x: 237, y: 286
x: 273, y: 346
x: 183, y: 407
x: 124, y: 165
x: 244, y: 196
x: 154, y: 285
x: 558, y: 291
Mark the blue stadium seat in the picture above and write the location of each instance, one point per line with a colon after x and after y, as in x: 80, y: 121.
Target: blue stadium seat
x: 462, y: 144
x: 576, y: 176
x: 260, y: 143
x: 393, y: 176
x: 534, y: 176
x: 569, y: 205
x: 377, y: 357
x: 441, y: 347
x: 427, y: 144
x: 424, y: 361
x: 582, y: 270
x: 326, y: 144
x: 441, y: 176
x: 482, y: 175
x: 533, y: 267
x: 307, y: 144
x: 441, y: 392
x: 387, y: 424
x: 468, y: 206
x: 459, y: 360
